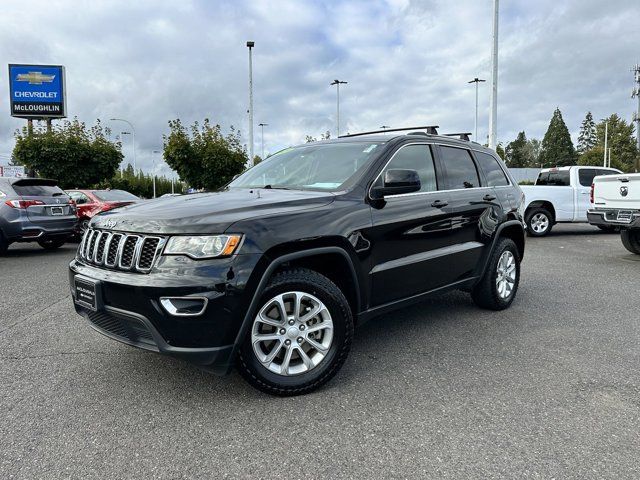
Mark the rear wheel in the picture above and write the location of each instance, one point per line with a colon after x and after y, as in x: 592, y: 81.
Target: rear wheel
x: 631, y: 240
x: 497, y: 288
x: 539, y: 222
x: 300, y: 335
x: 52, y: 243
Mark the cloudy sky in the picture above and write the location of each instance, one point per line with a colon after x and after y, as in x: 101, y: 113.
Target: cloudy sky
x: 407, y: 63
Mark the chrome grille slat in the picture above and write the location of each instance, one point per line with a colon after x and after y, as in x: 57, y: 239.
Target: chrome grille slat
x: 120, y: 251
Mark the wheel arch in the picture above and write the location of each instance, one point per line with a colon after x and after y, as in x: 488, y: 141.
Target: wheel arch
x: 331, y: 261
x: 512, y: 229
x: 546, y: 204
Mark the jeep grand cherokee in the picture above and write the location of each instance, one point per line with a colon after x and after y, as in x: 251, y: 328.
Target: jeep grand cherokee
x: 272, y: 273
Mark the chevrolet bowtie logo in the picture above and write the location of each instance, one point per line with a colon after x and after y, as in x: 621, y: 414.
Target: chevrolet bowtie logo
x: 35, y: 78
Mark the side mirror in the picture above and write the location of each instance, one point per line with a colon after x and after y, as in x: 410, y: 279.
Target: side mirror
x: 397, y: 182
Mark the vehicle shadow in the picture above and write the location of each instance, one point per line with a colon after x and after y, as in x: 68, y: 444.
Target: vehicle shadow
x: 17, y: 250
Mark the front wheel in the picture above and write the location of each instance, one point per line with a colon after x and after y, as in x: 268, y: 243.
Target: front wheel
x: 52, y: 243
x: 499, y: 284
x: 300, y: 335
x: 539, y: 222
x: 631, y: 240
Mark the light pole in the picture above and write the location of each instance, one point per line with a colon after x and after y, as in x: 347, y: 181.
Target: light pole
x: 476, y: 81
x: 384, y: 127
x: 250, y: 45
x: 133, y: 135
x: 493, y: 117
x: 262, y: 125
x: 337, y: 83
x: 153, y: 171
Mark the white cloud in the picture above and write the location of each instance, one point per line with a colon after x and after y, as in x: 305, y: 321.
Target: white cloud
x: 406, y: 63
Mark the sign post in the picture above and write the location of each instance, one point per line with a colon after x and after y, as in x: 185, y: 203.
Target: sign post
x: 37, y: 92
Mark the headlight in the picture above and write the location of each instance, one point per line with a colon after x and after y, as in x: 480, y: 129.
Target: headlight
x: 202, y: 246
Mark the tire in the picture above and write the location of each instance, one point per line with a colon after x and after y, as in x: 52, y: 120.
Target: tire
x: 4, y: 244
x: 487, y: 294
x: 52, y: 243
x: 333, y: 331
x: 539, y: 222
x: 631, y: 240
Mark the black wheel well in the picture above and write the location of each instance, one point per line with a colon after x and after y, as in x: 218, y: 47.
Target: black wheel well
x: 515, y: 233
x: 542, y: 204
x: 336, y: 268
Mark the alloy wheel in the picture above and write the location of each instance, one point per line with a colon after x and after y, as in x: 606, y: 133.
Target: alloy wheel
x: 539, y: 223
x: 506, y: 274
x: 292, y: 333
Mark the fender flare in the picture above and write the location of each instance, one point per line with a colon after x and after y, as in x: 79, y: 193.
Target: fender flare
x: 275, y: 263
x: 494, y: 241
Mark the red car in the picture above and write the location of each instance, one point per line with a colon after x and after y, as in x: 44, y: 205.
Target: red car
x: 92, y: 202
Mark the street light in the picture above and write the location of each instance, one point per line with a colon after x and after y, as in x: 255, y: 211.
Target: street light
x: 133, y: 136
x: 262, y: 125
x: 476, y: 81
x: 493, y: 116
x: 384, y: 127
x: 337, y: 83
x: 153, y: 171
x: 250, y: 45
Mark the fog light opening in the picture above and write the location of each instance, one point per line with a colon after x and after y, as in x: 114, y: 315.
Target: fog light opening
x: 184, y: 306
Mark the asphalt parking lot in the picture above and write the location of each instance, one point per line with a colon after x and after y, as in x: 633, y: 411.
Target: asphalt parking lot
x: 549, y: 388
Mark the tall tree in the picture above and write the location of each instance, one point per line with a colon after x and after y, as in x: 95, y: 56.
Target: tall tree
x: 515, y: 152
x: 557, y: 147
x: 587, y: 138
x: 532, y: 152
x: 71, y: 153
x: 620, y: 140
x: 204, y: 157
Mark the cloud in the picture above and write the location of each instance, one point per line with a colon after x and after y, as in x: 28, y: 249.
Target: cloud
x: 407, y: 62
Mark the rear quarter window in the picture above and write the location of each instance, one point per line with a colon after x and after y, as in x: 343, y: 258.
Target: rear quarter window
x: 492, y: 170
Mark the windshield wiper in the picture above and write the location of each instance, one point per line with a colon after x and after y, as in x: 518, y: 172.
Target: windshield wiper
x: 57, y: 194
x: 276, y: 187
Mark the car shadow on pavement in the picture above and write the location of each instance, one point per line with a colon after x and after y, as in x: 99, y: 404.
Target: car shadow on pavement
x: 28, y: 250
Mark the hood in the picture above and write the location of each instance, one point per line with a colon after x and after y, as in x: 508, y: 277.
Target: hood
x: 208, y: 212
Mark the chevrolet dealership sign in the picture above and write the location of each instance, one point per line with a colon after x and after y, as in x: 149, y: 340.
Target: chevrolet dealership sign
x: 37, y: 91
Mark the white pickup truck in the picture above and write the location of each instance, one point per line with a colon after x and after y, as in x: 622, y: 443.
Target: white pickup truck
x: 615, y: 202
x: 560, y: 195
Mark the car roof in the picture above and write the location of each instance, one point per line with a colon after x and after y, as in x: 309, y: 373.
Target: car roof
x: 396, y: 138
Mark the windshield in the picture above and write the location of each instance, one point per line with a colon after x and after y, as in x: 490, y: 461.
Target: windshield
x: 115, y: 196
x: 326, y: 166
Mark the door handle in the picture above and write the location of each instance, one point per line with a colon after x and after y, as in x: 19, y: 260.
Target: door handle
x: 488, y: 198
x: 439, y: 204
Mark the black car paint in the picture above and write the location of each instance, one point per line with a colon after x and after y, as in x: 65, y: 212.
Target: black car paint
x: 397, y: 250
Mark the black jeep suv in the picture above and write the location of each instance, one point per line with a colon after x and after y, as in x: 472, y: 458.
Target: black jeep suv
x: 273, y: 272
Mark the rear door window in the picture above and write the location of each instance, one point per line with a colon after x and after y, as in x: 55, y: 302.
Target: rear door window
x: 460, y: 169
x: 585, y: 175
x: 418, y: 158
x: 492, y: 170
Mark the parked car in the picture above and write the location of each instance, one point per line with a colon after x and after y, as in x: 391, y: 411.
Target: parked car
x: 92, y: 202
x: 35, y: 210
x: 273, y: 273
x: 560, y: 195
x: 615, y: 202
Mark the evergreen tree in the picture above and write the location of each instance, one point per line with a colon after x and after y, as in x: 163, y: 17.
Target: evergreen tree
x: 532, y: 152
x: 587, y: 138
x: 624, y: 150
x: 516, y: 152
x: 557, y: 147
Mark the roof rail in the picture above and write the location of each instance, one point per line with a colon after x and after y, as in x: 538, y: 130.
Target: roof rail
x: 431, y: 130
x: 461, y: 136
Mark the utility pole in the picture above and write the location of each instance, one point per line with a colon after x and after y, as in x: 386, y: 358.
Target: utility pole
x: 262, y: 125
x: 250, y: 45
x: 606, y: 138
x: 636, y: 118
x: 493, y: 117
x: 476, y: 81
x: 337, y: 83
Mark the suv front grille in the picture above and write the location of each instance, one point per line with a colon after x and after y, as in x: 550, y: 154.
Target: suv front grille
x: 119, y: 251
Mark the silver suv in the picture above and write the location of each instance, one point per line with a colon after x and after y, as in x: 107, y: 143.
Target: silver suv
x: 35, y: 210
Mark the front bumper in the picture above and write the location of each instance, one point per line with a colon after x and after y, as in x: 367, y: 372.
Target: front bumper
x: 129, y: 308
x: 607, y: 217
